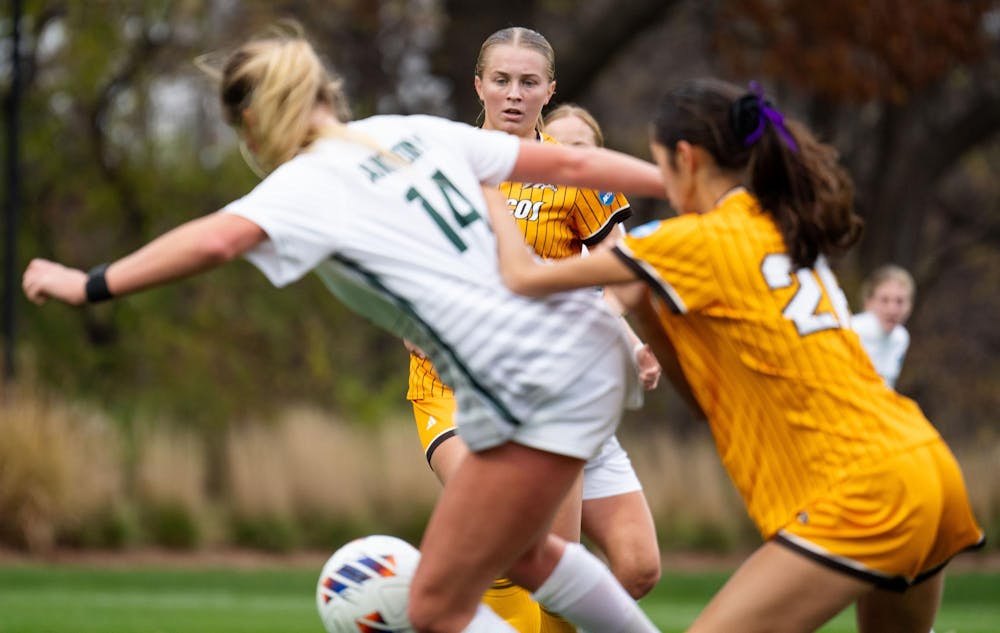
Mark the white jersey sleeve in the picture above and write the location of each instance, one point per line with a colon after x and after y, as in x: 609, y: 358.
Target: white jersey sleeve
x: 293, y: 205
x: 490, y: 154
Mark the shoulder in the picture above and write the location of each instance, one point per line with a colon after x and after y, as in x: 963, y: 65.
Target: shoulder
x: 377, y: 121
x: 430, y: 122
x: 737, y: 205
x: 900, y: 336
x: 413, y: 122
x: 738, y: 220
x: 681, y: 229
x: 865, y: 324
x: 290, y: 173
x: 463, y: 134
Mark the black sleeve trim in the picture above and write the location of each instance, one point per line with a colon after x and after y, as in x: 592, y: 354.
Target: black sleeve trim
x: 643, y: 274
x: 616, y: 218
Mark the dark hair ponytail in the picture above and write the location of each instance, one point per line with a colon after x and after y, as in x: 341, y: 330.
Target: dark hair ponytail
x: 796, y: 178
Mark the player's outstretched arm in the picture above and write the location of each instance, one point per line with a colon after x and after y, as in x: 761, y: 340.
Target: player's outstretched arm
x: 590, y: 167
x: 191, y: 248
x: 524, y: 274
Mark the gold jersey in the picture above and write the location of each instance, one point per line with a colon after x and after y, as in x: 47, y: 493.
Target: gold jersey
x: 792, y: 398
x: 557, y: 222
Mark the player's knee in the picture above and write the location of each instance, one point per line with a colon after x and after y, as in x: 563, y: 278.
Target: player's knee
x: 638, y: 575
x: 641, y: 584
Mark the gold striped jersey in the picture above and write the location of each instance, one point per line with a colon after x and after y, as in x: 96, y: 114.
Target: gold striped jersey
x: 557, y: 222
x: 791, y: 397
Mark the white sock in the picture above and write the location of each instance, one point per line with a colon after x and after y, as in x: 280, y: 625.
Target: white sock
x: 487, y: 621
x: 583, y: 590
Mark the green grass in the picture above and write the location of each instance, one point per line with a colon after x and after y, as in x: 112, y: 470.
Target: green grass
x: 971, y: 603
x: 75, y: 599
x: 37, y: 599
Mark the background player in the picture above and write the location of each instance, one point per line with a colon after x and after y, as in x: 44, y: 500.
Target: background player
x: 570, y: 124
x: 888, y: 299
x: 616, y: 516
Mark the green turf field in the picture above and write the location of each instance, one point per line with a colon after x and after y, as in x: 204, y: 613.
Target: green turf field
x: 73, y: 599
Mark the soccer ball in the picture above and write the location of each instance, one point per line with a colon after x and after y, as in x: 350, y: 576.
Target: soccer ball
x: 364, y: 586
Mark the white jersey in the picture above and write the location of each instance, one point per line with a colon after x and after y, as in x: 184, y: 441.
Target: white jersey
x: 886, y: 350
x: 407, y: 244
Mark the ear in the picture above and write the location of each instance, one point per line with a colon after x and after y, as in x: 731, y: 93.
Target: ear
x: 478, y: 83
x: 552, y: 91
x: 685, y: 156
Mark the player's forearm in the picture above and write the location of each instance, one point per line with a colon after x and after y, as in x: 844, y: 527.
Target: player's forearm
x: 593, y: 168
x: 625, y: 295
x: 191, y: 248
x: 514, y: 257
x: 525, y: 275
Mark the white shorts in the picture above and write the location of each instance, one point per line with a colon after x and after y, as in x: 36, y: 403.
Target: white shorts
x: 574, y: 421
x: 610, y: 473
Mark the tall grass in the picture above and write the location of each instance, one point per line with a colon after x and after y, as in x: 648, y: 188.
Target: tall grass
x: 309, y: 479
x: 60, y: 468
x: 171, y: 486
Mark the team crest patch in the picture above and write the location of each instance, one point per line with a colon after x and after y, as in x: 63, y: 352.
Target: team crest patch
x: 645, y: 229
x: 538, y: 185
x: 607, y: 197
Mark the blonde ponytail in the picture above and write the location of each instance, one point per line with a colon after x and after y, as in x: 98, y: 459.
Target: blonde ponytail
x: 270, y: 87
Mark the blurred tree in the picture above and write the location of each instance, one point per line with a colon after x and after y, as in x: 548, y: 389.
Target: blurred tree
x: 123, y: 141
x: 585, y: 36
x: 905, y: 88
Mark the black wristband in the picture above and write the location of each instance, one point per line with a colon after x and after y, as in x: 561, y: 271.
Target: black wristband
x: 97, y: 285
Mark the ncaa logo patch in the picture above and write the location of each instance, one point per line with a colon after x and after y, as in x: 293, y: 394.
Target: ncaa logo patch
x: 645, y: 229
x: 607, y: 197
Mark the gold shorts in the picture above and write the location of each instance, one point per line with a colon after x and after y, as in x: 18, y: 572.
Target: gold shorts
x: 435, y: 418
x: 894, y: 524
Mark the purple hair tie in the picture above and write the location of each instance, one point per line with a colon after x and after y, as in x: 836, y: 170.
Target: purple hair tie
x: 768, y: 113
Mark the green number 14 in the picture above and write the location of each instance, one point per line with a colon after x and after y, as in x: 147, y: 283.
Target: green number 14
x: 461, y: 209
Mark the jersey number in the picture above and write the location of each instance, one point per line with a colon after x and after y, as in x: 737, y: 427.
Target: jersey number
x: 525, y: 209
x: 813, y: 284
x: 462, y: 210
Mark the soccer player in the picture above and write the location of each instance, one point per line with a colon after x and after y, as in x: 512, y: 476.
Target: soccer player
x: 390, y: 212
x: 888, y: 299
x: 514, y: 79
x: 615, y: 514
x: 858, y: 498
x: 570, y: 124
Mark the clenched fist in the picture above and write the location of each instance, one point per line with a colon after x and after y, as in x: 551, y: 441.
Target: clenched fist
x: 44, y: 280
